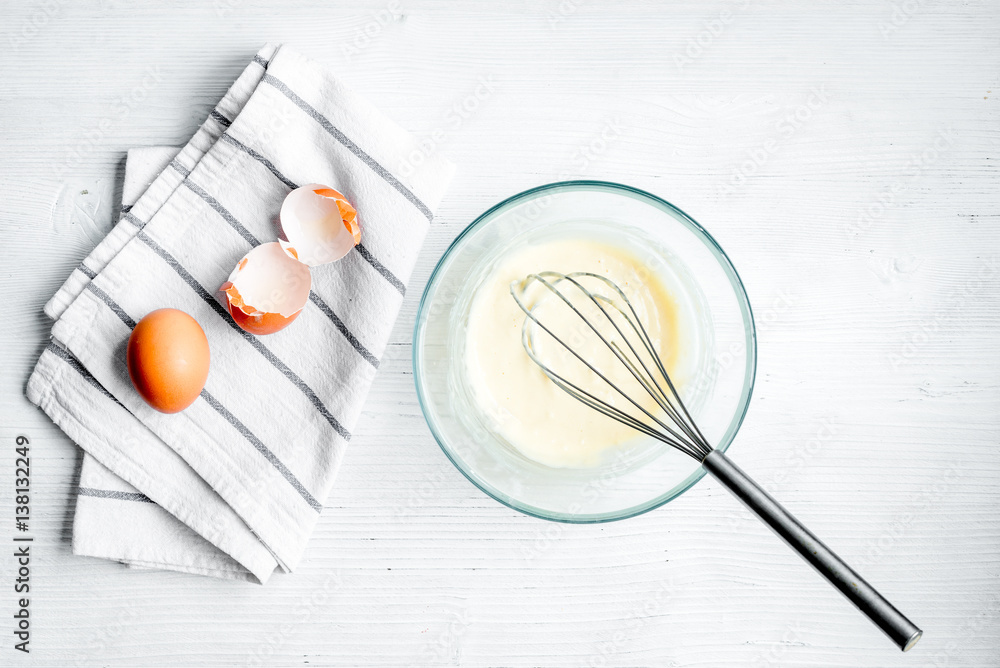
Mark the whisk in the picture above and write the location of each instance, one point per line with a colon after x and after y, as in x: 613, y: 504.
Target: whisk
x: 613, y: 320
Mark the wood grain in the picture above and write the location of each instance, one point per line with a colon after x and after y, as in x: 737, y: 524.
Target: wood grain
x: 870, y: 256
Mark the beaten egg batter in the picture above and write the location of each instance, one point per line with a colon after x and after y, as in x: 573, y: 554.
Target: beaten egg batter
x: 519, y: 402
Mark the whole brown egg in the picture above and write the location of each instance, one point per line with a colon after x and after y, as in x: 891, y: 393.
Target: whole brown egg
x: 168, y: 359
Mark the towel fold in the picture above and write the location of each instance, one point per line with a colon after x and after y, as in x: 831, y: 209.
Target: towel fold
x: 234, y: 484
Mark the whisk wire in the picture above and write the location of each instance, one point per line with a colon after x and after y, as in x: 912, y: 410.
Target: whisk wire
x: 689, y: 425
x: 598, y: 404
x: 691, y: 442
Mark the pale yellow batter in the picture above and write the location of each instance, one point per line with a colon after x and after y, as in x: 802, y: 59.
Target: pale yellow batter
x: 520, y: 403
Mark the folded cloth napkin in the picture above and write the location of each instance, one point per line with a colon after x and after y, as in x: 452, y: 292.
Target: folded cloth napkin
x: 243, y: 470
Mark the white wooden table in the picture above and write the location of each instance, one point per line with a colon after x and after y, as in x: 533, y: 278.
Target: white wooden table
x: 844, y: 155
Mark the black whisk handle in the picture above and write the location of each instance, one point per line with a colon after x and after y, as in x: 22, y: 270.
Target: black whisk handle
x: 894, y: 623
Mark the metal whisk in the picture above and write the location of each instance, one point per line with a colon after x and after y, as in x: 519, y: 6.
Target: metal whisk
x: 612, y: 318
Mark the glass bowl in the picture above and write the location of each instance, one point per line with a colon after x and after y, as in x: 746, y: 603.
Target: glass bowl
x: 671, y: 245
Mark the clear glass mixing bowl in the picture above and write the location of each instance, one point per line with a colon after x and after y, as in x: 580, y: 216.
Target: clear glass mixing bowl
x: 672, y: 246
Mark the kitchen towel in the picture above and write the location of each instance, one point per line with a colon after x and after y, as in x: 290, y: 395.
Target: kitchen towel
x: 262, y: 444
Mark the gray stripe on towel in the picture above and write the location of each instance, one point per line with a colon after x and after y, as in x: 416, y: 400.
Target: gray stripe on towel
x: 263, y: 449
x: 180, y: 168
x: 131, y: 217
x: 221, y: 210
x: 61, y: 352
x: 113, y: 494
x: 222, y: 120
x: 258, y: 157
x: 350, y: 145
x: 342, y: 328
x: 381, y: 268
x: 104, y: 297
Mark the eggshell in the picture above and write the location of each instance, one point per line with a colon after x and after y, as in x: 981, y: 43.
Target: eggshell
x: 319, y: 224
x: 267, y: 290
x: 270, y: 286
x: 168, y: 359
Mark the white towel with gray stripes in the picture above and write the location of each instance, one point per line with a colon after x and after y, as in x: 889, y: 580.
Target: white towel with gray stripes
x: 233, y: 485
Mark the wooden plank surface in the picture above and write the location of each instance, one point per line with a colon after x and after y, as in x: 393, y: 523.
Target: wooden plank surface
x: 844, y: 154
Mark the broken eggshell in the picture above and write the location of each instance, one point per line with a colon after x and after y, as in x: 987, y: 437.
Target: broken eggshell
x: 267, y: 290
x: 319, y: 224
x: 269, y: 287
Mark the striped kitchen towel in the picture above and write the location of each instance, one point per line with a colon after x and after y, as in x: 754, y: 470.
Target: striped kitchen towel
x: 234, y: 484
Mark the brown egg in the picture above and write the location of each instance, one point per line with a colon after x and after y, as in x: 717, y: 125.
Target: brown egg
x: 168, y: 359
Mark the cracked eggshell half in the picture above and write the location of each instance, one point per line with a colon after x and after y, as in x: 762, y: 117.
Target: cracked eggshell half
x: 267, y: 290
x: 319, y: 224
